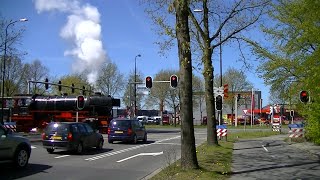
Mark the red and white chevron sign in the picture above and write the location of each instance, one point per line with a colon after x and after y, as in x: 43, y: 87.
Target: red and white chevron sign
x: 221, y: 132
x: 9, y: 126
x: 296, y: 132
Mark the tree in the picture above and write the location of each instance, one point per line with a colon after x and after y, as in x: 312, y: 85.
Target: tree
x: 219, y: 22
x: 35, y: 71
x: 292, y: 62
x: 188, y: 148
x: 110, y: 80
x: 13, y: 76
x: 79, y: 81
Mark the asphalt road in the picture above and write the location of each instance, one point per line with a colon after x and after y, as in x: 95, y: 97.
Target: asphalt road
x: 272, y: 158
x: 115, y: 161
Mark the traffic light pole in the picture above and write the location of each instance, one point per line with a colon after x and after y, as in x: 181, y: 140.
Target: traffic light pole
x: 56, y: 84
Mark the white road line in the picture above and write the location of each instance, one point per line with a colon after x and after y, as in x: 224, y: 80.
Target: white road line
x: 61, y: 156
x: 169, y: 143
x: 141, y: 154
x: 265, y: 148
x: 32, y: 147
x: 126, y: 150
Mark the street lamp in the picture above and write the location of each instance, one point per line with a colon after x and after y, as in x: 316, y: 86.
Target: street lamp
x: 4, y: 64
x: 135, y: 84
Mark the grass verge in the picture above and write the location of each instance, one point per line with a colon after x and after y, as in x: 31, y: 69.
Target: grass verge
x: 214, y: 161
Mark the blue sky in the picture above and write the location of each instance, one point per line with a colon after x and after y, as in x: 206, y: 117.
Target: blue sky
x: 126, y: 32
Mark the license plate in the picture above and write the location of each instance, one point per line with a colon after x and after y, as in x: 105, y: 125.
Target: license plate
x: 56, y: 137
x: 118, y: 132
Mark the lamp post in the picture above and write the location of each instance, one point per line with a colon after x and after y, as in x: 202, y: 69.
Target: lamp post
x: 4, y: 64
x: 135, y: 84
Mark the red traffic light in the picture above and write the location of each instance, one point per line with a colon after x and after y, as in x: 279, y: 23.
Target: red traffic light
x: 80, y: 102
x: 174, y: 81
x: 148, y: 82
x: 304, y: 96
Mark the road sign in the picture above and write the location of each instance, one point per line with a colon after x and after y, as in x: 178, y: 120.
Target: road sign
x: 218, y: 91
x: 245, y: 111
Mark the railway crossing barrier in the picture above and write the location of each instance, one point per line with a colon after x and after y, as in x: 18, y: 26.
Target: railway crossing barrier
x: 10, y: 125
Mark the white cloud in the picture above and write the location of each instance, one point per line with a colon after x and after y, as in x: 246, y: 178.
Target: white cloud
x: 83, y: 29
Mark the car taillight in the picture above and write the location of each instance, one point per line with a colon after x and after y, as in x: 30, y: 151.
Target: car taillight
x: 69, y: 137
x: 129, y: 131
x: 109, y: 130
x: 43, y: 136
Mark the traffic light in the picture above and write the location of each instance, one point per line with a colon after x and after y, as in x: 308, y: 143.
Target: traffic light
x: 83, y: 90
x: 59, y: 85
x: 225, y: 91
x: 148, y: 82
x: 80, y: 102
x: 304, y: 96
x: 219, y: 102
x: 239, y: 97
x: 46, y: 83
x: 72, y: 88
x: 292, y: 113
x: 173, y: 81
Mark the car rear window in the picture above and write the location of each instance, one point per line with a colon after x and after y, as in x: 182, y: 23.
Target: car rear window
x: 120, y: 123
x: 57, y: 127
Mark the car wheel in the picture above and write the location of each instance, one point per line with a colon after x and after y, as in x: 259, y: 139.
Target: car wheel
x: 100, y: 144
x: 79, y: 149
x: 50, y: 150
x: 110, y: 141
x: 21, y: 157
x: 145, y: 138
x: 135, y: 140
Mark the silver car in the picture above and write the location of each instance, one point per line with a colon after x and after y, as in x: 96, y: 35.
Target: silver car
x: 14, y: 148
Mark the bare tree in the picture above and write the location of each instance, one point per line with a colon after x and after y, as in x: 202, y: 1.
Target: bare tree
x: 110, y: 80
x: 35, y: 71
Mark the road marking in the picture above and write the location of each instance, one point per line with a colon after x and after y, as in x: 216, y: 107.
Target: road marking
x: 61, y: 156
x: 126, y: 150
x: 169, y: 143
x: 265, y: 148
x: 32, y: 147
x: 141, y: 154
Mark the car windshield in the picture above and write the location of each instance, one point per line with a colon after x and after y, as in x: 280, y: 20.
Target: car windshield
x: 120, y: 123
x: 56, y: 127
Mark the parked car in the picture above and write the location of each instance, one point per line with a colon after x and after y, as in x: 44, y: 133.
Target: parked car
x: 14, y: 148
x: 142, y: 119
x: 127, y: 130
x: 71, y: 136
x: 150, y: 120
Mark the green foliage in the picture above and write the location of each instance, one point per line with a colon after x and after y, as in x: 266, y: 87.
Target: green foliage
x: 292, y: 63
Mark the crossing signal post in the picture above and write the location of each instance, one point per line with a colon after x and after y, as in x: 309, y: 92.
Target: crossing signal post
x: 72, y: 88
x: 149, y: 82
x: 174, y: 81
x: 304, y: 96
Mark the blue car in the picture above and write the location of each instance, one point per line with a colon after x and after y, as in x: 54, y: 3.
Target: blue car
x: 126, y: 130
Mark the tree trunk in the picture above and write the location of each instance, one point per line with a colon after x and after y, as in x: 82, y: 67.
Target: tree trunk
x: 188, y: 148
x: 210, y: 102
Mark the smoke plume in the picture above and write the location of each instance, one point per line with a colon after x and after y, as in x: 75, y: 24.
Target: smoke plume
x: 83, y: 30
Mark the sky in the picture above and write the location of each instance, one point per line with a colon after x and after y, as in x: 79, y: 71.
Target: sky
x: 76, y: 35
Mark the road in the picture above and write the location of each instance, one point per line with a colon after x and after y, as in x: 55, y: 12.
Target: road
x: 272, y: 158
x: 115, y: 161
